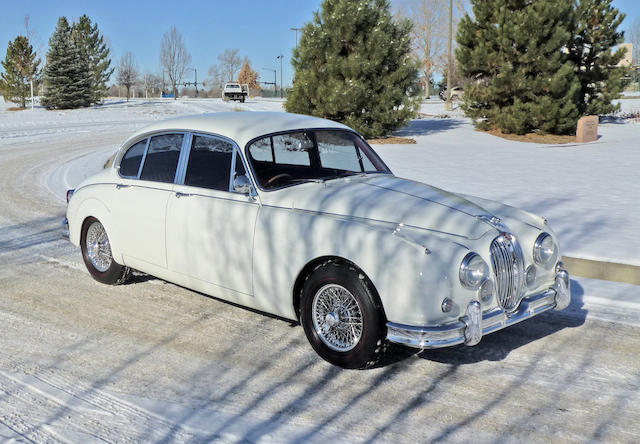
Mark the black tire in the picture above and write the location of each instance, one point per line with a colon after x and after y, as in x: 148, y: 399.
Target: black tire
x: 114, y: 273
x: 344, y: 280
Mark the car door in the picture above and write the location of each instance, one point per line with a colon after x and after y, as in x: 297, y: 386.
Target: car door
x: 141, y: 202
x: 209, y: 226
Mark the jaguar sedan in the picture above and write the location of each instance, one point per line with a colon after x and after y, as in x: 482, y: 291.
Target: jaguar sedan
x: 298, y: 217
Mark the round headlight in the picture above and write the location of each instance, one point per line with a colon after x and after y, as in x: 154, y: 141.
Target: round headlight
x: 473, y: 270
x: 530, y: 275
x: 545, y: 250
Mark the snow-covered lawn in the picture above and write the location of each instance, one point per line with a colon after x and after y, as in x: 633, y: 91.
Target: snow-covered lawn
x: 589, y: 192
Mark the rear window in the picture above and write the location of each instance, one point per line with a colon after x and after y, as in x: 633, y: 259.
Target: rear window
x: 162, y: 158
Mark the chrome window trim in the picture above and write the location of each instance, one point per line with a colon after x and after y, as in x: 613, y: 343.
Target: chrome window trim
x: 183, y: 160
x: 144, y: 157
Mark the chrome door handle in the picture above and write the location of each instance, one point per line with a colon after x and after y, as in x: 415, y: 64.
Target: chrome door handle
x: 179, y: 194
x: 121, y: 185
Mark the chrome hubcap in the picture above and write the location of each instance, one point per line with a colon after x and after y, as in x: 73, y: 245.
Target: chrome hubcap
x: 337, y: 317
x: 98, y: 247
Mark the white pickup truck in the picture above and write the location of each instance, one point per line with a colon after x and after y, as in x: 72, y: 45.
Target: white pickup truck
x: 234, y: 91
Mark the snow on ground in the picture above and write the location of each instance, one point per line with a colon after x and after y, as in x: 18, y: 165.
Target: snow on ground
x: 588, y: 192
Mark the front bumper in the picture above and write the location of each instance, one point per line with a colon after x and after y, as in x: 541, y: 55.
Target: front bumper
x: 470, y: 328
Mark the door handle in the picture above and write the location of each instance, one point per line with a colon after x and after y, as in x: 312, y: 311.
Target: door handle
x: 179, y: 194
x: 121, y: 185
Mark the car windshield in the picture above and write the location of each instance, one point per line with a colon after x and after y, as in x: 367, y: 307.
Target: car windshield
x: 295, y: 157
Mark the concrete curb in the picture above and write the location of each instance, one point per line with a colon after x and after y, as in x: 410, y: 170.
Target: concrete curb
x: 608, y: 271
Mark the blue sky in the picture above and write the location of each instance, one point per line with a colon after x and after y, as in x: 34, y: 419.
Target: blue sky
x: 258, y: 29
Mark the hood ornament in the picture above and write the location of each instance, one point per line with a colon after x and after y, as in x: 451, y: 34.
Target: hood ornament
x: 494, y: 221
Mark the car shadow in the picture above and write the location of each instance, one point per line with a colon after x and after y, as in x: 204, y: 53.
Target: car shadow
x: 428, y: 126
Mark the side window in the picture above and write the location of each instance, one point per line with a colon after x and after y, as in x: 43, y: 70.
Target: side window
x: 130, y: 163
x: 209, y: 163
x: 162, y: 158
x: 292, y: 149
x: 260, y: 150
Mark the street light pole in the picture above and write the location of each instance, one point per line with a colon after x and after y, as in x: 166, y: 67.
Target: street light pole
x: 281, y: 91
x: 296, y: 30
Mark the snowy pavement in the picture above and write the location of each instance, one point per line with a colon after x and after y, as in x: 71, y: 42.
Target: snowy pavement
x: 150, y: 361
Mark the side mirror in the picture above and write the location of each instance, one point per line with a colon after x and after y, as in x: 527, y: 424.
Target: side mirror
x: 242, y: 184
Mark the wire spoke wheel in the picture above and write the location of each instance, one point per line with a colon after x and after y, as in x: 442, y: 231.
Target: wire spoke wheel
x: 337, y: 317
x: 98, y: 247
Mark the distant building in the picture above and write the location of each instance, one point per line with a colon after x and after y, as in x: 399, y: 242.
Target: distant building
x: 628, y: 57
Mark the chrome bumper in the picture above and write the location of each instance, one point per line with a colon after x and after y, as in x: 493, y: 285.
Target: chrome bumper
x: 470, y: 328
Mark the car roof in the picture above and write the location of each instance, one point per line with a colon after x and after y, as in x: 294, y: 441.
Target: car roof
x: 239, y: 126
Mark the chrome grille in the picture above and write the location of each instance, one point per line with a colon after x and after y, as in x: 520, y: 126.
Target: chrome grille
x: 508, y: 269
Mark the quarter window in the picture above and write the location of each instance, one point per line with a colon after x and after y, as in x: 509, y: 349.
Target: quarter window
x: 338, y: 150
x: 162, y: 158
x: 130, y: 163
x: 209, y: 163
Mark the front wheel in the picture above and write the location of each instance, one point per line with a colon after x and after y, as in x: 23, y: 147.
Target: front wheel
x: 97, y: 256
x: 341, y: 316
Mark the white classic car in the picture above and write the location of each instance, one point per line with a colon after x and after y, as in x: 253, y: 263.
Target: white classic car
x: 297, y: 216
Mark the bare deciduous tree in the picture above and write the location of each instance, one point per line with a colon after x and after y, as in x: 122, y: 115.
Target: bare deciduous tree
x: 215, y: 80
x: 174, y: 57
x: 127, y: 72
x: 430, y: 32
x: 151, y: 83
x: 230, y: 63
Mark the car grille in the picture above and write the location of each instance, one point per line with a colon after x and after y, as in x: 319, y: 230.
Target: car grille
x: 508, y: 270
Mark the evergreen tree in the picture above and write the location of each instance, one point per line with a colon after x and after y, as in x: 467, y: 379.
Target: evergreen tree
x: 515, y: 50
x: 354, y: 65
x: 95, y: 51
x: 595, y: 34
x: 20, y: 68
x: 66, y: 75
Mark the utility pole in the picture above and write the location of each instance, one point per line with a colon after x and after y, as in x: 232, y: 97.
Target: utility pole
x: 281, y: 91
x: 275, y: 83
x: 296, y: 30
x: 195, y: 82
x: 447, y: 104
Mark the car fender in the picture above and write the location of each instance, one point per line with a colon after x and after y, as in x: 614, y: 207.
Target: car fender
x: 83, y: 205
x: 410, y: 278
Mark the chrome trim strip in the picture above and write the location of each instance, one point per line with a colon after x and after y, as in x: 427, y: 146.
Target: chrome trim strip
x: 454, y: 333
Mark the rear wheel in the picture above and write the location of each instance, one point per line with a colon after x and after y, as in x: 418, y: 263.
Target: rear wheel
x: 97, y: 256
x: 341, y: 316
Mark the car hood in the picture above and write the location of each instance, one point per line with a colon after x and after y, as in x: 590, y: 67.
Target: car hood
x: 387, y: 198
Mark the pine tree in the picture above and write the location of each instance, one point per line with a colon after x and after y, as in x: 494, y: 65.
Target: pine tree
x: 595, y: 34
x: 66, y: 74
x: 249, y: 76
x: 354, y: 65
x: 21, y: 67
x: 95, y: 51
x: 516, y: 52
